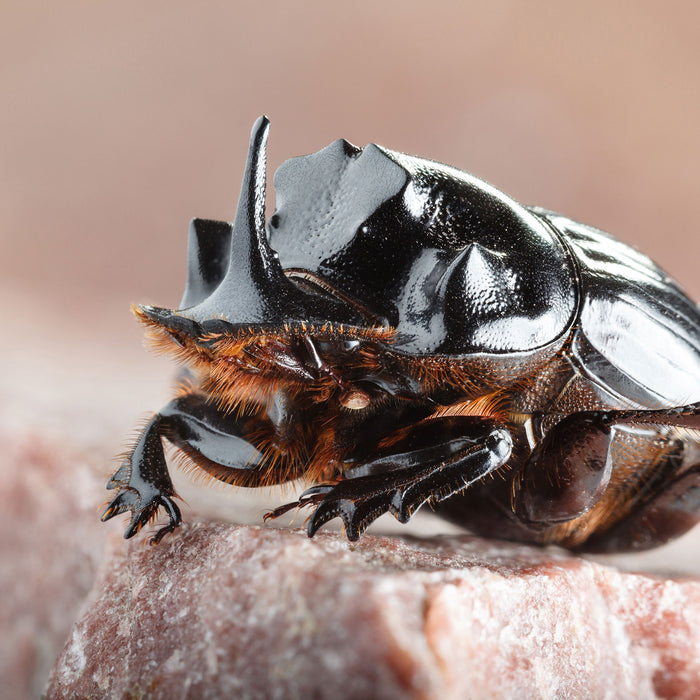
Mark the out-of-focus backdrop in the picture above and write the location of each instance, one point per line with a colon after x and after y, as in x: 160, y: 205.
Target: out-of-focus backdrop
x: 122, y: 121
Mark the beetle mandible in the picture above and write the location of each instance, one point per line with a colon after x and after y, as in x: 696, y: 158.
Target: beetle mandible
x: 401, y: 333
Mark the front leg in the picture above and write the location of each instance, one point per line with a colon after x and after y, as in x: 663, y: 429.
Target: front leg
x: 427, y: 463
x: 215, y: 441
x: 144, y: 484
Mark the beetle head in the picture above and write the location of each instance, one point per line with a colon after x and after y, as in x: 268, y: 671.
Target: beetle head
x: 235, y: 277
x: 242, y: 313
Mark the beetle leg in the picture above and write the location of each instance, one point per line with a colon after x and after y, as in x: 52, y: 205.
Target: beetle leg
x: 214, y: 440
x: 144, y: 484
x: 428, y: 463
x: 670, y: 508
x: 569, y: 470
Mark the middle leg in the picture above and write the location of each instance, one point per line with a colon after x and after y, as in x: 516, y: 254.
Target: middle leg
x: 426, y: 463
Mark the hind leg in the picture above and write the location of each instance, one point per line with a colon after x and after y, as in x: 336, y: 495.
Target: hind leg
x: 568, y: 472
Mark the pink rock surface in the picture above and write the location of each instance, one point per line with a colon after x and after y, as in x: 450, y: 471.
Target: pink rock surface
x: 245, y: 612
x: 49, y: 549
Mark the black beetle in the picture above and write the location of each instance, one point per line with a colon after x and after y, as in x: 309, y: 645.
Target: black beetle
x: 403, y: 333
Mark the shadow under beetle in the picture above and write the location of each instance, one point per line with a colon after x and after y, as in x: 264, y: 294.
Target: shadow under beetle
x: 403, y: 333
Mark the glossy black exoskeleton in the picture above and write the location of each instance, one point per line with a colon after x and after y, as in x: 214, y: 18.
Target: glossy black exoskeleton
x: 403, y: 333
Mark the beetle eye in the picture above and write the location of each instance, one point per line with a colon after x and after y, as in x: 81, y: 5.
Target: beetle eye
x: 275, y: 221
x: 334, y: 347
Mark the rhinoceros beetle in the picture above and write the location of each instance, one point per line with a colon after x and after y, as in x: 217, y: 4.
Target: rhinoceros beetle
x: 401, y: 333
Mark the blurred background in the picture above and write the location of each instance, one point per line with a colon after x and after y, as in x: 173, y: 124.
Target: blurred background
x: 122, y: 121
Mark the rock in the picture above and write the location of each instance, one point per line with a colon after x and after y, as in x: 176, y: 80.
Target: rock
x: 247, y: 612
x: 50, y: 550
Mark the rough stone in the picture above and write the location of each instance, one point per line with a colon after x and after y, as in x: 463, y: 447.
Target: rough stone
x: 247, y: 612
x: 50, y: 550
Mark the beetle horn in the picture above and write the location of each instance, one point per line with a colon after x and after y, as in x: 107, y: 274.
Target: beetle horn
x: 252, y: 261
x: 244, y: 284
x: 248, y: 282
x: 255, y: 291
x: 208, y: 255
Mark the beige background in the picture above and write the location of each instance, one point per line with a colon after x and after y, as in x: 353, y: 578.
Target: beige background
x: 121, y: 121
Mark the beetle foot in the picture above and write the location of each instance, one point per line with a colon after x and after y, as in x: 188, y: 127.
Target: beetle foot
x: 143, y: 511
x: 360, y: 501
x: 359, y: 507
x: 357, y: 512
x: 392, y: 486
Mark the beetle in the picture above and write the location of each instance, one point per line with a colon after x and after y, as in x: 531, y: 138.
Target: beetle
x: 400, y: 333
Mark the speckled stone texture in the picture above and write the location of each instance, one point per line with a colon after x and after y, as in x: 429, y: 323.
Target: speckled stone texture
x: 247, y: 612
x: 49, y: 552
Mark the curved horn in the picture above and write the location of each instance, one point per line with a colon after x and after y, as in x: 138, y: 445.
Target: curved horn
x: 249, y: 242
x: 254, y: 291
x: 254, y: 277
x: 208, y: 254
